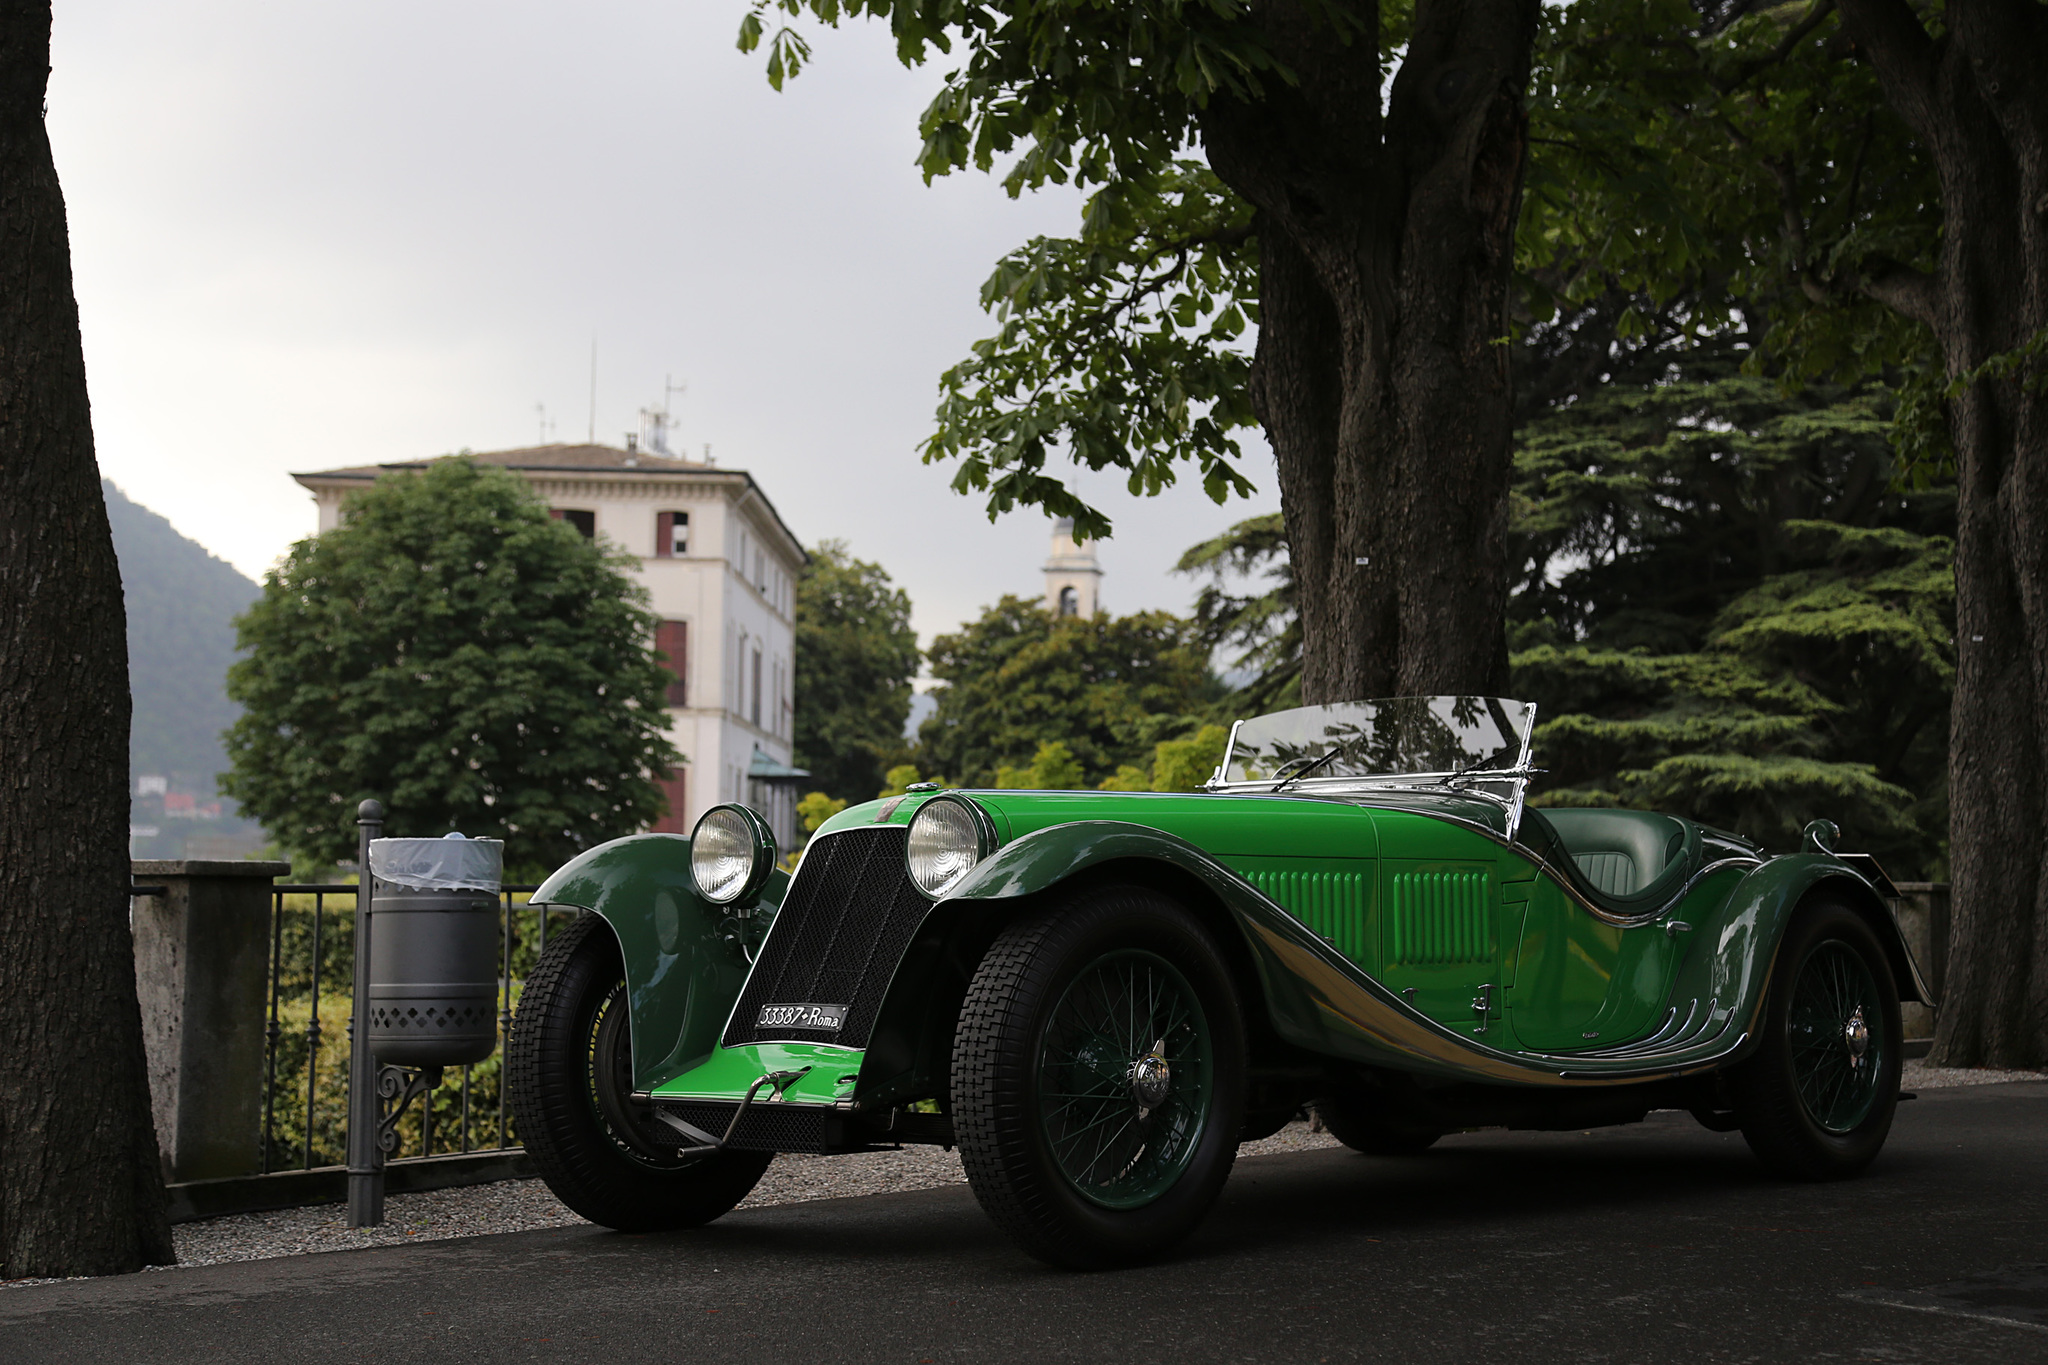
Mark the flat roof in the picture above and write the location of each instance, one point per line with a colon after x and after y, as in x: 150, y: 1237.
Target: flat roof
x: 562, y: 458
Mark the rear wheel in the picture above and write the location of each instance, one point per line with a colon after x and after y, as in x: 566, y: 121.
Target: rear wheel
x: 569, y: 1077
x: 1816, y: 1101
x: 1098, y: 1078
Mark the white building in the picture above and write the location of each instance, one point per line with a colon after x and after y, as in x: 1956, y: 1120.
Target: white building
x: 1073, y: 578
x: 720, y: 568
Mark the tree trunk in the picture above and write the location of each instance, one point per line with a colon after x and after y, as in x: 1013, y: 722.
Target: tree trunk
x: 1382, y: 375
x: 1977, y: 100
x: 81, y: 1191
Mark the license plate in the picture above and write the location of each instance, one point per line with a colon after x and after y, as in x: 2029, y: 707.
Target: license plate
x: 826, y: 1017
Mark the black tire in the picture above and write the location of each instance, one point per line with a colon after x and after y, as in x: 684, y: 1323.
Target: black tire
x: 1810, y: 1106
x: 568, y: 1067
x: 1359, y: 1128
x: 1023, y: 1032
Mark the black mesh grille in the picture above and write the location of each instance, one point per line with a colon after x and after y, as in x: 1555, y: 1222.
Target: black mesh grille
x: 837, y: 940
x: 766, y: 1127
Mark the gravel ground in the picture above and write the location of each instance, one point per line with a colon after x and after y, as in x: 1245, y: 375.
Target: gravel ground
x: 1920, y: 1076
x: 519, y: 1205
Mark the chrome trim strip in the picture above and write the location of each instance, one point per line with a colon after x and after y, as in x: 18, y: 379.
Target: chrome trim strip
x: 1663, y: 1043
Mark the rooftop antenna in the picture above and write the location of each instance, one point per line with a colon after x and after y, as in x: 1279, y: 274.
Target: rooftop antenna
x: 593, y: 391
x: 541, y: 413
x: 655, y: 422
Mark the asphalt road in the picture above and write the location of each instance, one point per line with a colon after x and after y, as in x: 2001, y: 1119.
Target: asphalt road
x: 1659, y: 1242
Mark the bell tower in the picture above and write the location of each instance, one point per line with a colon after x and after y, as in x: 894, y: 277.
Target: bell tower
x: 1073, y: 578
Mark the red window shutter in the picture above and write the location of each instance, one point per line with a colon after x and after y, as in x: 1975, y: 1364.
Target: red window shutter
x: 672, y: 638
x: 676, y: 788
x: 664, y: 535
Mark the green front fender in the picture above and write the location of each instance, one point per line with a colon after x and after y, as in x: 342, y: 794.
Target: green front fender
x: 685, y: 958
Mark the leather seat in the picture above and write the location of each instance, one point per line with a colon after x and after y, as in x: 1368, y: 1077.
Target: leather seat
x: 1624, y: 857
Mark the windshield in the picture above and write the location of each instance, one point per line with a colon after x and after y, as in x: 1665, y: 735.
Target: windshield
x: 1394, y: 737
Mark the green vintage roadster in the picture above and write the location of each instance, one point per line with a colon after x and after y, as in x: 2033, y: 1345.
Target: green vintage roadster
x: 1097, y: 996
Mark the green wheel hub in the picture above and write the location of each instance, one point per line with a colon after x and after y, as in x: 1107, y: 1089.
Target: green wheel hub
x: 1837, y: 1034
x: 1125, y: 1078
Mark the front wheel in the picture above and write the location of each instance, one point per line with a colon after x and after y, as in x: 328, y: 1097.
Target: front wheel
x: 1098, y: 1078
x: 569, y: 1075
x: 1816, y: 1101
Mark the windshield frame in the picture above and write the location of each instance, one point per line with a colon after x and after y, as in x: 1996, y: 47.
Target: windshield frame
x: 1464, y: 783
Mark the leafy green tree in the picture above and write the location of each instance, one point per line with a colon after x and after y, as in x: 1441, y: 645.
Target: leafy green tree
x: 816, y: 808
x: 1263, y: 625
x: 1726, y: 609
x: 1368, y: 238
x: 1183, y: 765
x: 899, y: 780
x: 1128, y: 777
x: 455, y: 653
x: 1887, y: 157
x: 1052, y: 768
x: 1107, y: 687
x: 856, y: 655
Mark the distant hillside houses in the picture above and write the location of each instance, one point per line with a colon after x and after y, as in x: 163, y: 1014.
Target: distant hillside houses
x: 182, y: 603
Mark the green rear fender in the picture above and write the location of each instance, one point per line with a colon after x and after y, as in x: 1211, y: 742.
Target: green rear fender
x: 1734, y: 949
x: 686, y: 958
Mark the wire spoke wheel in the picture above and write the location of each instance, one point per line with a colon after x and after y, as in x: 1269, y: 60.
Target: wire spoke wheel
x: 1815, y: 1101
x: 1098, y: 1078
x: 1126, y: 1076
x: 569, y: 1078
x: 1835, y: 1029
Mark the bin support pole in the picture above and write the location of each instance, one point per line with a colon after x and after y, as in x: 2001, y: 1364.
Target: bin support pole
x: 365, y: 1156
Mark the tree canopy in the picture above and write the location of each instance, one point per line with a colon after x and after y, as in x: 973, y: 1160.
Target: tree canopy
x: 1351, y: 221
x: 452, y: 651
x: 1107, y: 689
x: 1727, y: 610
x: 856, y: 655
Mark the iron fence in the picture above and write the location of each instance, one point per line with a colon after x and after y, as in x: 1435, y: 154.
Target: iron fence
x: 305, y: 1074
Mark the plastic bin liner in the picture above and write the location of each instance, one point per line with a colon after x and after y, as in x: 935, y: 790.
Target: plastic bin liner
x: 450, y: 864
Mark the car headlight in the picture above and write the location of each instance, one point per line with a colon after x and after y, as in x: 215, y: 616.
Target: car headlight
x: 732, y: 851
x: 948, y: 836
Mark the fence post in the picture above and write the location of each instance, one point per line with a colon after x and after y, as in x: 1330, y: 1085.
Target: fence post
x: 365, y: 1157
x: 201, y: 946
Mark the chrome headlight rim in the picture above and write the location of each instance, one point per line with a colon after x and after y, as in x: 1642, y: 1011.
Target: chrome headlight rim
x: 985, y: 841
x: 761, y: 842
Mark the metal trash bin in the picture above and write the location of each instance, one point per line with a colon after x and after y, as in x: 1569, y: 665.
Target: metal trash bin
x: 434, y: 950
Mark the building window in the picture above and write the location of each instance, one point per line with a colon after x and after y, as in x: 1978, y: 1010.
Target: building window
x: 671, y: 535
x: 672, y: 641
x: 586, y: 522
x: 754, y: 701
x: 761, y: 572
x: 739, y: 676
x: 1070, y: 602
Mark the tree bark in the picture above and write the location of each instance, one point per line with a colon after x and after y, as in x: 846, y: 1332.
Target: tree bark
x: 1976, y: 98
x: 81, y: 1191
x: 1382, y: 377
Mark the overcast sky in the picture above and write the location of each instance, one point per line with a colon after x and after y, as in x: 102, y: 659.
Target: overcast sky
x: 309, y: 235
